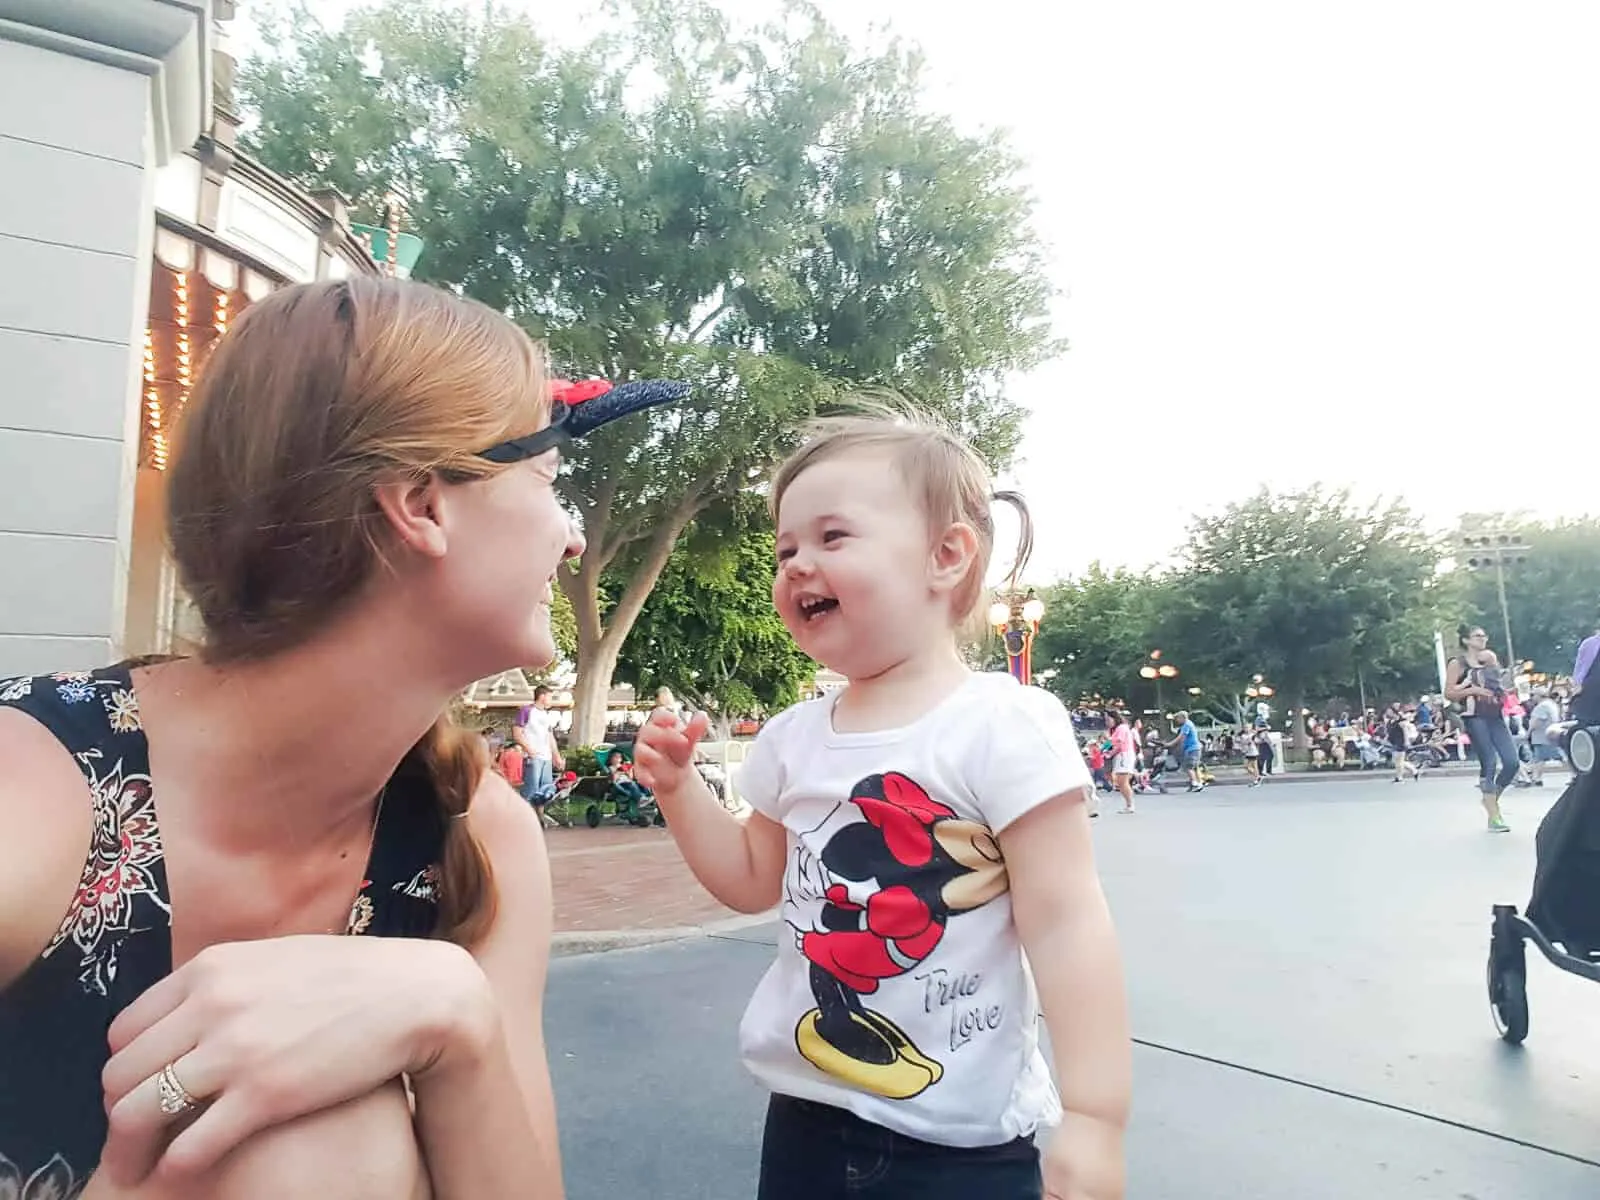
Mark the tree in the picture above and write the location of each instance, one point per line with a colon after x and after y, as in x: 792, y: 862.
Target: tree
x: 1554, y: 596
x: 709, y: 630
x: 1306, y: 589
x: 767, y: 214
x: 1097, y: 631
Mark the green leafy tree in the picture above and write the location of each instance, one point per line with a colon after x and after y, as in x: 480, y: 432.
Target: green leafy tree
x: 1307, y: 589
x: 709, y: 630
x: 1097, y: 631
x: 770, y: 215
x: 1553, y: 594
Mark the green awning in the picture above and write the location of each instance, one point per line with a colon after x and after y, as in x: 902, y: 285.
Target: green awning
x: 406, y: 254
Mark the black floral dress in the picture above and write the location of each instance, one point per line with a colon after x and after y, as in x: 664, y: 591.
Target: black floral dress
x: 115, y: 940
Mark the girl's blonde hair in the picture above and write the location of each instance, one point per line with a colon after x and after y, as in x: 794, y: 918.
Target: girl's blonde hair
x: 949, y: 482
x: 318, y: 394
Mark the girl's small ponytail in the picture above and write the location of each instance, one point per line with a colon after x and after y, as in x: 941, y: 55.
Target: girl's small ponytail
x: 1019, y: 563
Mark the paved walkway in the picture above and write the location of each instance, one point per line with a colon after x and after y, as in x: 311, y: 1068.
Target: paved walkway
x: 616, y: 881
x: 620, y: 886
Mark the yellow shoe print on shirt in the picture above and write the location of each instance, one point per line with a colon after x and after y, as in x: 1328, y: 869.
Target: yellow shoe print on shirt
x: 909, y: 1073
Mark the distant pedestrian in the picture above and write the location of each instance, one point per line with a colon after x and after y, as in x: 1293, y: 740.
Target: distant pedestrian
x: 1186, y: 741
x: 1263, y: 755
x: 512, y: 764
x: 1394, y: 728
x: 1546, y: 712
x: 1124, y: 758
x: 1588, y: 652
x: 535, y: 732
x: 1475, y: 680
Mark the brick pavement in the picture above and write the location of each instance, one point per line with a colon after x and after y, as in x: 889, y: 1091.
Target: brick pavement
x: 619, y: 878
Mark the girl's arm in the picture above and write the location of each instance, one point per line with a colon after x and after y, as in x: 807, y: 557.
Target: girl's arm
x: 486, y: 1116
x: 1065, y: 927
x: 737, y: 857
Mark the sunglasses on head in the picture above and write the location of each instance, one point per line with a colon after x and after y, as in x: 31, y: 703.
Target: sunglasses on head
x: 539, y: 442
x: 578, y: 409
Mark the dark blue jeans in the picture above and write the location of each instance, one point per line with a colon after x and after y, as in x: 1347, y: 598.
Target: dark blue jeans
x: 818, y: 1152
x: 1491, y: 739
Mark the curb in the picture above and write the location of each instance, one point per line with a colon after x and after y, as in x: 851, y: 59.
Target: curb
x: 598, y: 941
x: 1460, y: 770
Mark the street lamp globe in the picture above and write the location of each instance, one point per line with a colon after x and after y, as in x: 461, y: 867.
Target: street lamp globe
x: 1033, y: 609
x: 999, y: 613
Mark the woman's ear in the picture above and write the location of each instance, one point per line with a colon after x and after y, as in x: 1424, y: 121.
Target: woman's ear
x: 413, y: 510
x: 953, y: 556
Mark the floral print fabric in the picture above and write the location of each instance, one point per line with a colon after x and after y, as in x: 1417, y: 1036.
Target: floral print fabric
x: 114, y: 941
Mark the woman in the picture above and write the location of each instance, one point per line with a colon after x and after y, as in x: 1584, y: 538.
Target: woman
x: 336, y: 510
x: 1475, y: 681
x: 1124, y: 759
x: 1263, y: 755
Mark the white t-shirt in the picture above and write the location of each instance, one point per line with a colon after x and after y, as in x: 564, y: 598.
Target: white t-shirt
x: 1545, y: 714
x: 538, y: 724
x: 900, y: 992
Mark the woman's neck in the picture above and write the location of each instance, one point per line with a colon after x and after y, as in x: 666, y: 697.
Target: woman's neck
x: 287, y: 751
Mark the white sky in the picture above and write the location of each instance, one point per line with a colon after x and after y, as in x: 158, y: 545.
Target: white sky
x: 1294, y: 242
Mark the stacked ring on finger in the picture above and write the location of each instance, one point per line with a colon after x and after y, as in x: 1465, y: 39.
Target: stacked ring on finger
x: 175, y: 1098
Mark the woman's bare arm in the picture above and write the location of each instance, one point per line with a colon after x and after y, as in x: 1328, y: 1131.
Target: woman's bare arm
x: 1454, y: 688
x: 46, y: 814
x: 487, y: 1121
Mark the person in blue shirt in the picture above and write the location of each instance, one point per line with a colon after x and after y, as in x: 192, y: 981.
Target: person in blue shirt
x: 1187, y: 743
x: 1424, y: 715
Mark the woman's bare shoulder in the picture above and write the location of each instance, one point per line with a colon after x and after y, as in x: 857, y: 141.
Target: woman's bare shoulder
x: 46, y: 816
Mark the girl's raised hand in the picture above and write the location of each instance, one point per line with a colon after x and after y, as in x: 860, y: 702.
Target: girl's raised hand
x: 663, y: 755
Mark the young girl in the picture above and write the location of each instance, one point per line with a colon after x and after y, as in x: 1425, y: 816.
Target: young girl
x: 926, y: 832
x: 1124, y: 759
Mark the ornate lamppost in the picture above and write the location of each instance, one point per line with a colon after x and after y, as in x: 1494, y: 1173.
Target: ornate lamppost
x: 1260, y: 692
x: 1015, y: 616
x: 1158, y: 670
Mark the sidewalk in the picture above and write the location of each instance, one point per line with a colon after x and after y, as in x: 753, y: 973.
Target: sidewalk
x: 618, y: 886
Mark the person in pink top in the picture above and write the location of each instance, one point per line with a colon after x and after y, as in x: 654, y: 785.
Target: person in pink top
x: 1124, y: 759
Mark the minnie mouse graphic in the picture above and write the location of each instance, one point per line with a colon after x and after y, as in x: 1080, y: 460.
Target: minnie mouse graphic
x: 891, y: 880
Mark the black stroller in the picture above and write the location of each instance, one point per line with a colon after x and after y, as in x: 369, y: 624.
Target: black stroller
x: 1563, y: 917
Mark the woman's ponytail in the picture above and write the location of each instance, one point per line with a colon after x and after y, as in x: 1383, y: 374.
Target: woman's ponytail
x: 455, y: 761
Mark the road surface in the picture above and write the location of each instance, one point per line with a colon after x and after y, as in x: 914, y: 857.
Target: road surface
x: 1305, y: 972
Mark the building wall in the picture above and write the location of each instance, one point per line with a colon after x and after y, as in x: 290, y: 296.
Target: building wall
x: 74, y: 274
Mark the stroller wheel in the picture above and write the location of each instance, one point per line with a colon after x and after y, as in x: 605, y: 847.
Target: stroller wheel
x: 591, y: 816
x: 1508, y: 995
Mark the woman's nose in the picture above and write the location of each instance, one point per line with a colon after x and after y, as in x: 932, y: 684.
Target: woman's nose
x: 576, y: 542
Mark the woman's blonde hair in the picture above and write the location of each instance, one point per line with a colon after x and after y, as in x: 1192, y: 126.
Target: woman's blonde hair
x: 316, y: 396
x: 948, y: 480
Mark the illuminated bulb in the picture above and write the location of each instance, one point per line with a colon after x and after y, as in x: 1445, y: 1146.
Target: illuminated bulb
x: 181, y: 315
x: 999, y: 613
x: 1033, y: 610
x: 152, y: 402
x: 219, y: 320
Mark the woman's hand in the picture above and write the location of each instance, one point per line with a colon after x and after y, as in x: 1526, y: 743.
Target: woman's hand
x: 663, y: 755
x: 262, y: 1032
x: 1085, y: 1161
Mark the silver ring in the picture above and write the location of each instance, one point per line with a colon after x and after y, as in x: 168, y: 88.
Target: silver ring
x: 175, y: 1098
